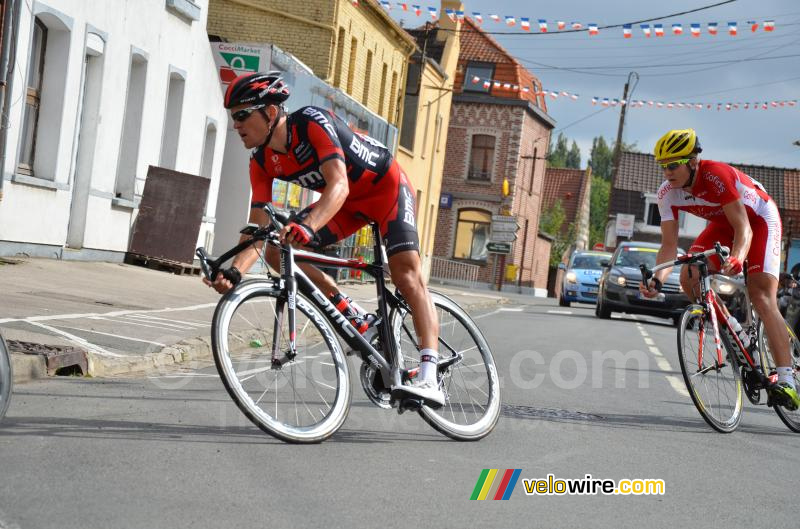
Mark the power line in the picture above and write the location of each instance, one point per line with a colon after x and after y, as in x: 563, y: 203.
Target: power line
x: 628, y: 66
x: 741, y: 87
x: 584, y: 118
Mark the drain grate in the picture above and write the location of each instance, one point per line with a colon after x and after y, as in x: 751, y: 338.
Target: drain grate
x: 60, y: 360
x: 529, y: 412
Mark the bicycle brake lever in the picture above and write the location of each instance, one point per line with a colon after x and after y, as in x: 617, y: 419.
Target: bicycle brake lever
x: 646, y: 274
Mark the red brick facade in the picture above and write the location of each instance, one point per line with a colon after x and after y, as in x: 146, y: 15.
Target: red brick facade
x: 521, y: 129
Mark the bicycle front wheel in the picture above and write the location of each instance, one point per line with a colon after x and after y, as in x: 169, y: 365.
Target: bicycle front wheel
x: 791, y: 418
x: 715, y: 387
x: 6, y: 378
x: 304, y: 399
x: 467, y: 372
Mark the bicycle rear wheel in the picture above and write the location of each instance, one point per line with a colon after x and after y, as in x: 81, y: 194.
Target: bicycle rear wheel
x: 716, y: 389
x: 791, y: 418
x: 6, y: 378
x: 467, y: 372
x: 304, y: 400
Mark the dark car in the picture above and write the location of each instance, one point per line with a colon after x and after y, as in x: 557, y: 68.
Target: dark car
x: 619, y: 285
x: 582, y: 277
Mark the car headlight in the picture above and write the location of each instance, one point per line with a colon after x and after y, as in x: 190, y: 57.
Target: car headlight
x: 618, y: 279
x: 571, y: 277
x: 725, y: 288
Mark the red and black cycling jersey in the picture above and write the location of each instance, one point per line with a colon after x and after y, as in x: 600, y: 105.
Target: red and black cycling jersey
x: 314, y: 136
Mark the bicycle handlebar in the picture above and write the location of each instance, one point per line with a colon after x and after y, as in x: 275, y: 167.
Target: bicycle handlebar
x: 722, y: 251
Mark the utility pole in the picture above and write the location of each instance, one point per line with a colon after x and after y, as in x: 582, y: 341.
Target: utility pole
x: 618, y: 144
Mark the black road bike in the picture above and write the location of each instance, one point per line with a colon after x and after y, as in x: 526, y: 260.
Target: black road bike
x: 276, y: 347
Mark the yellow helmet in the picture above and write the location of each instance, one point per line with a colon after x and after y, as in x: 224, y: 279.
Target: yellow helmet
x: 680, y: 143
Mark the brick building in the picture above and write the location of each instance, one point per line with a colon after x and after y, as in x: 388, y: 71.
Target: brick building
x: 499, y: 132
x: 359, y: 49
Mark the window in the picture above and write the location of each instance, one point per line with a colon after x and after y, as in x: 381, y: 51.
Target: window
x: 131, y: 129
x: 484, y: 71
x: 533, y: 171
x: 393, y: 96
x: 472, y: 234
x: 33, y: 93
x: 351, y: 70
x: 653, y: 216
x: 409, y: 128
x: 481, y: 158
x: 337, y: 78
x: 367, y: 77
x: 172, y: 121
x: 382, y: 95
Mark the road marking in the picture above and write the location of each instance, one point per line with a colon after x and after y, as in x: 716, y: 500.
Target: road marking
x: 78, y: 340
x: 128, y: 322
x: 649, y: 341
x: 559, y: 311
x: 662, y: 364
x: 655, y: 351
x: 157, y: 319
x: 114, y: 335
x: 677, y: 385
x: 516, y: 309
x: 108, y: 314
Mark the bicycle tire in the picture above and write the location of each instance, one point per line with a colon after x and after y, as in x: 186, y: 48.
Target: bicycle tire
x: 242, y: 336
x: 453, y: 379
x: 791, y: 418
x: 6, y: 378
x: 701, y: 381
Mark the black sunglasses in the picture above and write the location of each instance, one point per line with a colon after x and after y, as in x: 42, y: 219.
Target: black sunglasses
x: 243, y: 114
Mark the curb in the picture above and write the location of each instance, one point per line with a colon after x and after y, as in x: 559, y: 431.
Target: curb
x: 28, y: 367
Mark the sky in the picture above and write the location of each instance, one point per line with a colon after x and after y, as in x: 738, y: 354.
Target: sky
x: 599, y: 66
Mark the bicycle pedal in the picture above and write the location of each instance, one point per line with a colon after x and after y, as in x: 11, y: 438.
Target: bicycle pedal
x: 409, y: 404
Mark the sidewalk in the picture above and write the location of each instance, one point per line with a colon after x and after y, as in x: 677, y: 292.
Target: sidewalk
x: 123, y: 319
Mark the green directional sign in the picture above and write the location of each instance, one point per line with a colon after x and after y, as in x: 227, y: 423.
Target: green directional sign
x: 498, y: 247
x: 241, y: 61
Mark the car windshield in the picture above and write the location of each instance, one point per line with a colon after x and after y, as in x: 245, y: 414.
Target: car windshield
x: 633, y: 256
x: 589, y: 261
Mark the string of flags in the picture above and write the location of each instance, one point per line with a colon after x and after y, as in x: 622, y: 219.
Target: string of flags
x: 526, y: 23
x: 634, y: 103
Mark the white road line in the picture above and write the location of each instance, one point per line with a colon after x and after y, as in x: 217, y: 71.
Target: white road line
x: 109, y: 314
x: 516, y: 309
x: 677, y: 385
x: 649, y: 341
x: 662, y: 364
x: 655, y: 351
x: 138, y: 318
x: 557, y: 311
x: 78, y: 340
x: 114, y: 335
x: 128, y: 322
x: 155, y: 318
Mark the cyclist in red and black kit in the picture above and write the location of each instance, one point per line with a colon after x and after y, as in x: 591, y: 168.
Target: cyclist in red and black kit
x: 741, y: 216
x: 359, y: 182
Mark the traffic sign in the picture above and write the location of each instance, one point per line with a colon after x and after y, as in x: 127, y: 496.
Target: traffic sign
x: 498, y: 247
x: 505, y: 226
x: 503, y: 236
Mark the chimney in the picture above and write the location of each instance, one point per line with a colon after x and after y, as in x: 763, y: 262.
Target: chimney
x: 444, y: 20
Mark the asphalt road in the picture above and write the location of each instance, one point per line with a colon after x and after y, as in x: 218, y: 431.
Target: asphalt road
x: 581, y: 396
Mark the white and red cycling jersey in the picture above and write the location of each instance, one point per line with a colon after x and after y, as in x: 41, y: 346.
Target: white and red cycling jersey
x: 715, y: 185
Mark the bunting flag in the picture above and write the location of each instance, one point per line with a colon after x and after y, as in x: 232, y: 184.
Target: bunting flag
x: 645, y: 29
x: 769, y: 25
x: 510, y: 21
x: 542, y: 25
x: 460, y: 16
x: 450, y: 14
x: 404, y: 6
x: 732, y: 29
x: 417, y: 10
x: 753, y: 25
x: 695, y: 30
x: 659, y: 30
x: 386, y: 5
x: 577, y: 25
x: 626, y: 31
x: 592, y: 28
x: 476, y: 80
x: 712, y: 28
x: 677, y: 29
x: 496, y: 18
x: 525, y: 23
x: 487, y: 84
x: 355, y: 2
x: 561, y: 25
x: 478, y: 18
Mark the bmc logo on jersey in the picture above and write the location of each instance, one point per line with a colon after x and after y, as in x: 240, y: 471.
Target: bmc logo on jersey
x: 310, y: 180
x: 362, y: 151
x: 408, y: 206
x: 320, y: 118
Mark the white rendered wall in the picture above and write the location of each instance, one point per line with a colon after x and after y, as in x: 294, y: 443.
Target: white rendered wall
x: 36, y: 211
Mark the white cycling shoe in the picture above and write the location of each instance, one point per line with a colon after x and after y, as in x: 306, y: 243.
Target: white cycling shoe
x: 425, y: 390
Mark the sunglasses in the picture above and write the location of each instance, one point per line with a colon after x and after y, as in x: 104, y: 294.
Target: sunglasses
x: 672, y: 165
x: 243, y: 114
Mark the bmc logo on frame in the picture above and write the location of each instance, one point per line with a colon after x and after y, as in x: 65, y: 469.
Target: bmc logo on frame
x: 496, y: 484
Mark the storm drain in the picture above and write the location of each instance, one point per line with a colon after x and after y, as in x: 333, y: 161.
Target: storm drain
x: 513, y: 411
x: 60, y: 360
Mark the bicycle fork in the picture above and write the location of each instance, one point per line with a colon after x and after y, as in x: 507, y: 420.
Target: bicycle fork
x: 289, y: 306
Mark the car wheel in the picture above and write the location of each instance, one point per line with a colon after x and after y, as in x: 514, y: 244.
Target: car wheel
x: 600, y: 310
x: 562, y: 301
x: 676, y: 320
